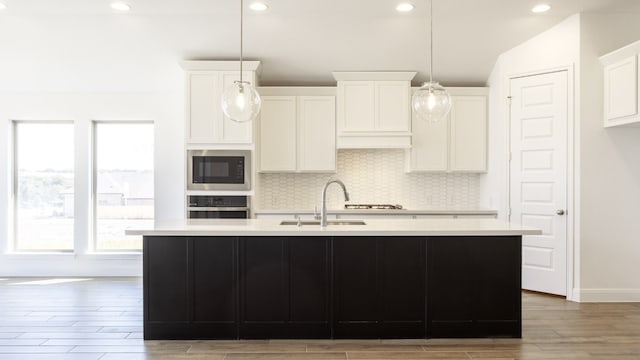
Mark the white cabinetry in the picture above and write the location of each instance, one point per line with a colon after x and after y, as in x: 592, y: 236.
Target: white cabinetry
x: 457, y: 143
x: 297, y: 132
x: 373, y: 109
x: 621, y: 77
x: 205, y: 83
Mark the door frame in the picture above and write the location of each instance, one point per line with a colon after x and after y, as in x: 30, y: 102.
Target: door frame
x: 573, y: 180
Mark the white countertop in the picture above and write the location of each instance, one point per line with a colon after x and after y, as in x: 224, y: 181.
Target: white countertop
x: 440, y: 211
x: 373, y: 227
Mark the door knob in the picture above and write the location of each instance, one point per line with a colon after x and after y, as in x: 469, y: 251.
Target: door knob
x: 560, y: 212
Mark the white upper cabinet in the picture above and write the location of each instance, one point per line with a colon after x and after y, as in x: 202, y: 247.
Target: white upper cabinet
x: 621, y: 77
x: 278, y: 133
x: 457, y: 143
x: 373, y: 109
x: 205, y: 83
x: 297, y: 132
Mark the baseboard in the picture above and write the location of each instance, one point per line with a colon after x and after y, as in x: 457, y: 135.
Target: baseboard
x: 608, y: 295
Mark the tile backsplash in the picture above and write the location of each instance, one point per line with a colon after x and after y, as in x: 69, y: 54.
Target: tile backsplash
x: 372, y: 176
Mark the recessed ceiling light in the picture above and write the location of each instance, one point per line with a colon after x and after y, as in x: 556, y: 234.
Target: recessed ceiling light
x: 404, y: 7
x: 120, y: 6
x: 541, y: 8
x: 2, y: 6
x: 258, y: 6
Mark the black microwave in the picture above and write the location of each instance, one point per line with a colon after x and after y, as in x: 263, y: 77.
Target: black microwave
x: 218, y: 169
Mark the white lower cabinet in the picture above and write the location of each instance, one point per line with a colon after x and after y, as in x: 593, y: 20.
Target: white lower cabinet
x: 297, y: 134
x: 457, y: 143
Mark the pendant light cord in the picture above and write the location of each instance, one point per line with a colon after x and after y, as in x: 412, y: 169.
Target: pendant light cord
x: 430, y: 41
x: 241, y: 16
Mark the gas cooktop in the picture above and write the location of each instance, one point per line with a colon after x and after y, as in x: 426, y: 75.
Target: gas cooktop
x: 372, y: 207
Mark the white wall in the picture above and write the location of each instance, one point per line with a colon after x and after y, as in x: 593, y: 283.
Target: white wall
x: 85, y: 68
x: 610, y: 173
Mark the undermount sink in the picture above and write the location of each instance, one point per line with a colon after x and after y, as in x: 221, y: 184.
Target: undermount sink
x: 317, y: 222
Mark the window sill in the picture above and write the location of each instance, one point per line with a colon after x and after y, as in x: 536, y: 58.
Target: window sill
x: 23, y: 255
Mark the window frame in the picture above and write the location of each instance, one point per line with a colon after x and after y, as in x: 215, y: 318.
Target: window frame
x: 12, y: 243
x: 93, y: 216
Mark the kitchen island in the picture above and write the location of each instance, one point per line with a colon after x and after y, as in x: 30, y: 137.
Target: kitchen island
x: 258, y: 279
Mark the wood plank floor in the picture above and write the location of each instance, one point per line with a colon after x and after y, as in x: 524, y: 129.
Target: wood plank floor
x: 88, y: 319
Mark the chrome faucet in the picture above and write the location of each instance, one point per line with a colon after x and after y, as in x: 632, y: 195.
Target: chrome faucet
x: 323, y: 209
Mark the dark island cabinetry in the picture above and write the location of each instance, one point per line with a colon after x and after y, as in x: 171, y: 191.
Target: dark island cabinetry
x: 379, y: 287
x: 284, y: 284
x: 190, y: 287
x: 473, y: 287
x: 257, y: 287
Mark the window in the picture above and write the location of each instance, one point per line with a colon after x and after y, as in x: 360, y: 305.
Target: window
x: 43, y: 187
x: 123, y: 183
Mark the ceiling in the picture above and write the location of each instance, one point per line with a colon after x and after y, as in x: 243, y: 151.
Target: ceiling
x: 300, y: 42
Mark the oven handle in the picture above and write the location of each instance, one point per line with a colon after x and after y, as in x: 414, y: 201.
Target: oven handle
x: 218, y: 208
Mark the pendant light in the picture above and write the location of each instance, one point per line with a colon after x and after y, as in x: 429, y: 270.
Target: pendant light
x: 432, y: 101
x: 240, y: 100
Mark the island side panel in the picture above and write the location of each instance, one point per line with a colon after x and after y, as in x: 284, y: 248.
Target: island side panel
x: 474, y: 287
x: 166, y: 283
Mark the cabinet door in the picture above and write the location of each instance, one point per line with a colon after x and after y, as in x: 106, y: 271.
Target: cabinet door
x: 232, y: 131
x: 402, y: 278
x: 214, y: 287
x: 204, y: 111
x: 284, y: 287
x: 379, y: 287
x: 468, y: 127
x: 392, y: 105
x: 450, y: 287
x: 309, y: 287
x: 263, y: 287
x: 430, y: 145
x: 166, y: 295
x: 621, y: 89
x: 355, y: 106
x: 316, y: 133
x: 278, y: 133
x: 355, y: 287
x: 474, y: 286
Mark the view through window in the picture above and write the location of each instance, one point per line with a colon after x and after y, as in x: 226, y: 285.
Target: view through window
x: 123, y: 189
x: 44, y: 191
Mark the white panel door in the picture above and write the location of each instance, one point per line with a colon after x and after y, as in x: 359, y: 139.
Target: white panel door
x: 539, y: 177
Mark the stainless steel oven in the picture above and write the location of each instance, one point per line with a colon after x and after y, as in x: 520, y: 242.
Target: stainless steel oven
x: 218, y: 169
x: 217, y: 207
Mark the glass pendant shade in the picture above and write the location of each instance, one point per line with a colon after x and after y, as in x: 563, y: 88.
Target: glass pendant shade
x: 241, y: 102
x: 431, y: 102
